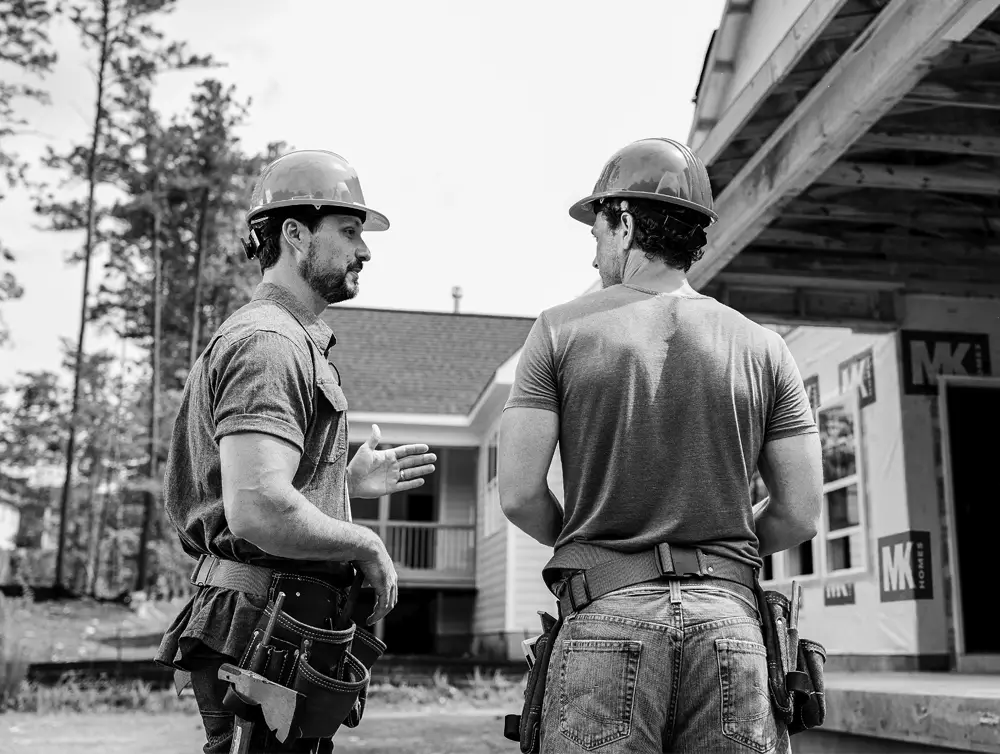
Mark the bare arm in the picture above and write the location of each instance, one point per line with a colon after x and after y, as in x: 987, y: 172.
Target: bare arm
x: 791, y: 468
x: 263, y: 508
x: 528, y: 439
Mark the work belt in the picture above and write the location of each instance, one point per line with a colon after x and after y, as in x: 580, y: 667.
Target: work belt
x: 583, y: 587
x: 795, y: 667
x: 306, y: 670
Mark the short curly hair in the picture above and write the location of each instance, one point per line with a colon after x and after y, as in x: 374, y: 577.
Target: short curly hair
x: 266, y: 229
x: 668, y: 232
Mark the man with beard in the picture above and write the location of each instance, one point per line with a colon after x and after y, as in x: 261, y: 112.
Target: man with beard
x: 664, y: 402
x: 257, y: 481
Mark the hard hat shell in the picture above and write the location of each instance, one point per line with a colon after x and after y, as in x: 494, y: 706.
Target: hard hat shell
x: 659, y: 169
x: 315, y: 178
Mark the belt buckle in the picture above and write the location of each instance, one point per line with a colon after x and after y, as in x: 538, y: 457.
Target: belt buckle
x: 196, y: 575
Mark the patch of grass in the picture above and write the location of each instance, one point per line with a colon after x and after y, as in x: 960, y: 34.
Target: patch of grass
x: 79, y: 696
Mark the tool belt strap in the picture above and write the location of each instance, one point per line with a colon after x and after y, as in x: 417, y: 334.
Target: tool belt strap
x: 582, y: 588
x: 228, y: 574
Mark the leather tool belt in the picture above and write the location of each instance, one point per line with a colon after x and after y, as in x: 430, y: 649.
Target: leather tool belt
x: 796, y: 696
x: 307, y: 652
x: 795, y: 667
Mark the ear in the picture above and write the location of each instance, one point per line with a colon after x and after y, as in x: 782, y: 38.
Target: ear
x: 294, y: 234
x: 627, y: 227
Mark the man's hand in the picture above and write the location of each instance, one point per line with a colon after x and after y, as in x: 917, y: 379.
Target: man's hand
x: 381, y: 574
x: 373, y: 473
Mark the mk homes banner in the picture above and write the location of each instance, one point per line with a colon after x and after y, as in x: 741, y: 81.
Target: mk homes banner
x: 927, y: 354
x: 904, y: 565
x: 858, y: 372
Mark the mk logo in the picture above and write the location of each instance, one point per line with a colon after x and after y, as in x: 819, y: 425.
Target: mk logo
x: 926, y: 355
x: 839, y: 594
x: 905, y: 566
x: 858, y: 372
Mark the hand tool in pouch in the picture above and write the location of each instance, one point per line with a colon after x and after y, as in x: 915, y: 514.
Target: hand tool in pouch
x: 277, y: 702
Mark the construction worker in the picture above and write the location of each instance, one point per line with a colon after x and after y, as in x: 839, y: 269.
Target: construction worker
x: 257, y: 481
x: 663, y: 402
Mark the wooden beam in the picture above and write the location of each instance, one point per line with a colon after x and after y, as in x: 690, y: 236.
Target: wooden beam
x: 808, y: 28
x: 980, y: 146
x: 896, y: 246
x: 905, y: 217
x: 940, y: 95
x: 886, y: 62
x: 776, y: 302
x: 942, y: 180
x: 951, y: 278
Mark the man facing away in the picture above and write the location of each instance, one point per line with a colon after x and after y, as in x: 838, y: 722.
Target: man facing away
x: 257, y: 481
x: 663, y: 402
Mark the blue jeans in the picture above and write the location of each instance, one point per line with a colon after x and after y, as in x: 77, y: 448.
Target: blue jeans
x: 668, y: 666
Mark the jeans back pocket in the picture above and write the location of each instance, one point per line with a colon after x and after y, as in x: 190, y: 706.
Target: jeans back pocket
x: 598, y: 690
x: 747, y: 717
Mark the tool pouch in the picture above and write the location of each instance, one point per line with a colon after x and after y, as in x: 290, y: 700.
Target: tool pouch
x: 798, y: 695
x: 526, y: 727
x: 330, y: 669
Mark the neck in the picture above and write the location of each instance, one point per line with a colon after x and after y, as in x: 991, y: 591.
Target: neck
x: 654, y: 275
x: 298, y: 287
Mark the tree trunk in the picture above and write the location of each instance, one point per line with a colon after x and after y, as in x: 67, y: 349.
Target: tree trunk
x: 89, y: 540
x: 88, y: 250
x: 154, y: 415
x: 199, y: 266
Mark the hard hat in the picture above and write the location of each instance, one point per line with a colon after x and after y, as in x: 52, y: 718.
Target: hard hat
x: 661, y: 170
x: 313, y: 178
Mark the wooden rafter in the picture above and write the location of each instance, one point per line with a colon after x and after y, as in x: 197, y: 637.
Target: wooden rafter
x: 971, y: 145
x: 939, y: 95
x: 953, y: 278
x: 895, y: 246
x: 945, y: 180
x: 914, y: 218
x: 891, y: 57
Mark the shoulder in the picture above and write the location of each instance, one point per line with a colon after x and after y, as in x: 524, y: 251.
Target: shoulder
x: 264, y: 321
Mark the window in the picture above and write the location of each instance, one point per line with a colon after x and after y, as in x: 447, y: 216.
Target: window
x: 840, y: 546
x: 843, y: 525
x: 493, y: 517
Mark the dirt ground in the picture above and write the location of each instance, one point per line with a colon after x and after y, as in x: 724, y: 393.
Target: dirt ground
x: 416, y: 731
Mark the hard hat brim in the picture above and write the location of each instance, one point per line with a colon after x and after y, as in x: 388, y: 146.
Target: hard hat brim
x: 583, y: 212
x: 374, y: 220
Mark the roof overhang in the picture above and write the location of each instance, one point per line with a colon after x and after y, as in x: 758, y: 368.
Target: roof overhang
x: 794, y: 174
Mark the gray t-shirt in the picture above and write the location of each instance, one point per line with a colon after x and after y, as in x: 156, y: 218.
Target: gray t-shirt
x: 664, y: 402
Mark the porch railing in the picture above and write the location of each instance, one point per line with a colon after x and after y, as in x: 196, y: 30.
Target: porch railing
x: 428, y: 548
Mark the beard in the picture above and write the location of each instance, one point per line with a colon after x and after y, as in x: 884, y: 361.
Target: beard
x: 330, y: 285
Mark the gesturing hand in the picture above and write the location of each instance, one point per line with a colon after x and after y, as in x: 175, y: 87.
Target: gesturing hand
x: 373, y: 473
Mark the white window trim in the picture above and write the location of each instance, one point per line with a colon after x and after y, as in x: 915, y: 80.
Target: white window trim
x: 821, y: 572
x: 493, y: 517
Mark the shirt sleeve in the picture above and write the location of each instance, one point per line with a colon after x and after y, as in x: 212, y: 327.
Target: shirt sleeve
x: 262, y: 384
x: 535, y: 383
x: 791, y: 415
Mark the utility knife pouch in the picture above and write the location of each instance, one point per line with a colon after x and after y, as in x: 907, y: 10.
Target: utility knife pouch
x: 797, y: 695
x: 526, y: 727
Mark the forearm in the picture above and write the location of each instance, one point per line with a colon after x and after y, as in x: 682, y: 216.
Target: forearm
x: 285, y: 524
x: 539, y: 516
x: 777, y: 532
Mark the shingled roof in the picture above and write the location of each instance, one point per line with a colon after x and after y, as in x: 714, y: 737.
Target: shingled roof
x: 415, y: 362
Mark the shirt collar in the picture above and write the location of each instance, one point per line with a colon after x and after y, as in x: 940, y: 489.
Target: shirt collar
x: 318, y: 330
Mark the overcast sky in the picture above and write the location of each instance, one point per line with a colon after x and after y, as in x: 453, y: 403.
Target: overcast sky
x: 474, y: 126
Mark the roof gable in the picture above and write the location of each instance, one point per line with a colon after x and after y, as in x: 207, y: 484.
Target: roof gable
x: 411, y: 362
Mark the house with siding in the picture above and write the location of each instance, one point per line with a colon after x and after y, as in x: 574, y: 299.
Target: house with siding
x: 469, y: 582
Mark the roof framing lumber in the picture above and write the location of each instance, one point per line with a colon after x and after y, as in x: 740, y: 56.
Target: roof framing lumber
x: 793, y: 304
x: 906, y: 217
x: 943, y: 180
x: 886, y: 62
x: 804, y: 32
x: 970, y: 145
